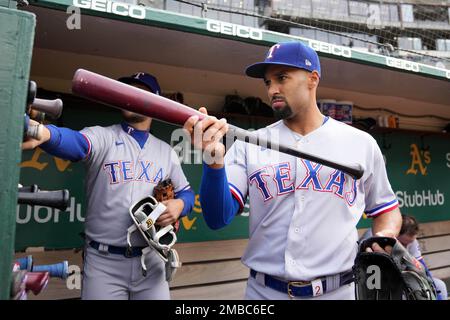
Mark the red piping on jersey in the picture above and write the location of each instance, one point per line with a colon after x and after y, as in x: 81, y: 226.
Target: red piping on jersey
x: 238, y: 198
x: 384, y: 211
x: 89, y: 146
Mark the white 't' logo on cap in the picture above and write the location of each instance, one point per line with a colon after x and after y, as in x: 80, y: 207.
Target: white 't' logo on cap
x: 308, y: 63
x: 270, y: 53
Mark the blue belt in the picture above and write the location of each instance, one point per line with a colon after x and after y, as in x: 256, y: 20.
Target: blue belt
x: 301, y: 288
x: 129, y: 252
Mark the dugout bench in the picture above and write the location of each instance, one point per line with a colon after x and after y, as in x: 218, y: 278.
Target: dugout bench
x: 213, y: 270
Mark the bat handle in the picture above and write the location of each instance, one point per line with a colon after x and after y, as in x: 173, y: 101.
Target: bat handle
x: 32, y: 89
x: 31, y: 188
x: 56, y: 199
x: 356, y: 171
x: 35, y: 131
x: 236, y: 133
x: 57, y: 270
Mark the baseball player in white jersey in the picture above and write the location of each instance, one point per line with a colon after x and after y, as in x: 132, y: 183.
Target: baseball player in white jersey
x: 303, y: 215
x: 124, y: 162
x: 408, y: 238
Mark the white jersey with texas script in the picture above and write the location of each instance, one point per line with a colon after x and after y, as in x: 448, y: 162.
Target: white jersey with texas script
x: 303, y: 215
x: 119, y: 173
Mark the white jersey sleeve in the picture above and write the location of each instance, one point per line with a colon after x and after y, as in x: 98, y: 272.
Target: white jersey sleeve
x: 98, y: 139
x: 379, y: 195
x: 176, y: 173
x: 236, y: 169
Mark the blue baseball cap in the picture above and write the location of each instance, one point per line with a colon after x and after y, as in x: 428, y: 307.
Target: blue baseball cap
x: 145, y: 79
x: 292, y: 54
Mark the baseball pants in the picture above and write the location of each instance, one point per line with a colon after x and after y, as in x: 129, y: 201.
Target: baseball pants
x: 441, y: 288
x: 109, y: 276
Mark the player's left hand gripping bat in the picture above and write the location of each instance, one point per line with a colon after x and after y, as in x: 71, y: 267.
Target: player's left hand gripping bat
x: 123, y: 96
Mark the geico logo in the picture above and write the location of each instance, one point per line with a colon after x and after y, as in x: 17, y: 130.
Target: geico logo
x: 233, y: 30
x: 40, y: 214
x: 330, y: 48
x: 402, y: 64
x: 119, y: 8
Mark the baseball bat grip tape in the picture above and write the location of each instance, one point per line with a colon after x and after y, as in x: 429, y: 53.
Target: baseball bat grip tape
x: 35, y: 131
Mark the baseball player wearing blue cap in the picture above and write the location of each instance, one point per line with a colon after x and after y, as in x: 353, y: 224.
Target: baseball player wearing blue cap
x: 124, y: 162
x: 303, y: 215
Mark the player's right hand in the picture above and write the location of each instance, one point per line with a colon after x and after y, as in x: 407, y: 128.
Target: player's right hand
x: 30, y: 143
x: 207, y: 135
x: 377, y: 248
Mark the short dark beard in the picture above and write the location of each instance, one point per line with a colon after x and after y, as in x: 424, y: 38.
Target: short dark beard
x: 134, y: 118
x: 283, y: 113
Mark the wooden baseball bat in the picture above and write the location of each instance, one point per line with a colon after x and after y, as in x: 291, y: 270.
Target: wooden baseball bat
x: 116, y: 94
x: 56, y: 199
x: 51, y: 107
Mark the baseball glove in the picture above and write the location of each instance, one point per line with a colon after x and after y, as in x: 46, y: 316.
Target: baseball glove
x: 164, y: 190
x: 395, y: 276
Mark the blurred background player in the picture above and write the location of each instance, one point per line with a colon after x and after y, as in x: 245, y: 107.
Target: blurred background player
x: 124, y: 162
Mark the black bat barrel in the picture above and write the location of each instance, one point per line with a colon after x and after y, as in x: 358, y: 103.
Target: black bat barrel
x: 58, y: 199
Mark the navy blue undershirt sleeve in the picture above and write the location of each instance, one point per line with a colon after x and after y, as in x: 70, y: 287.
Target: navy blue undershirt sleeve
x: 218, y: 204
x: 66, y: 143
x: 188, y: 198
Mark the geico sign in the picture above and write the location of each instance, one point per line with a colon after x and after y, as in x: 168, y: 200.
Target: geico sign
x: 121, y: 9
x: 402, y: 64
x: 330, y: 48
x: 233, y: 30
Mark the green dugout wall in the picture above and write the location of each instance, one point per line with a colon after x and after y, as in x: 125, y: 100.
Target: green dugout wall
x: 16, y: 43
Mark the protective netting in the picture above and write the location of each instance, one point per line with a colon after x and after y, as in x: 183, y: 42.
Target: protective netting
x: 418, y: 31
